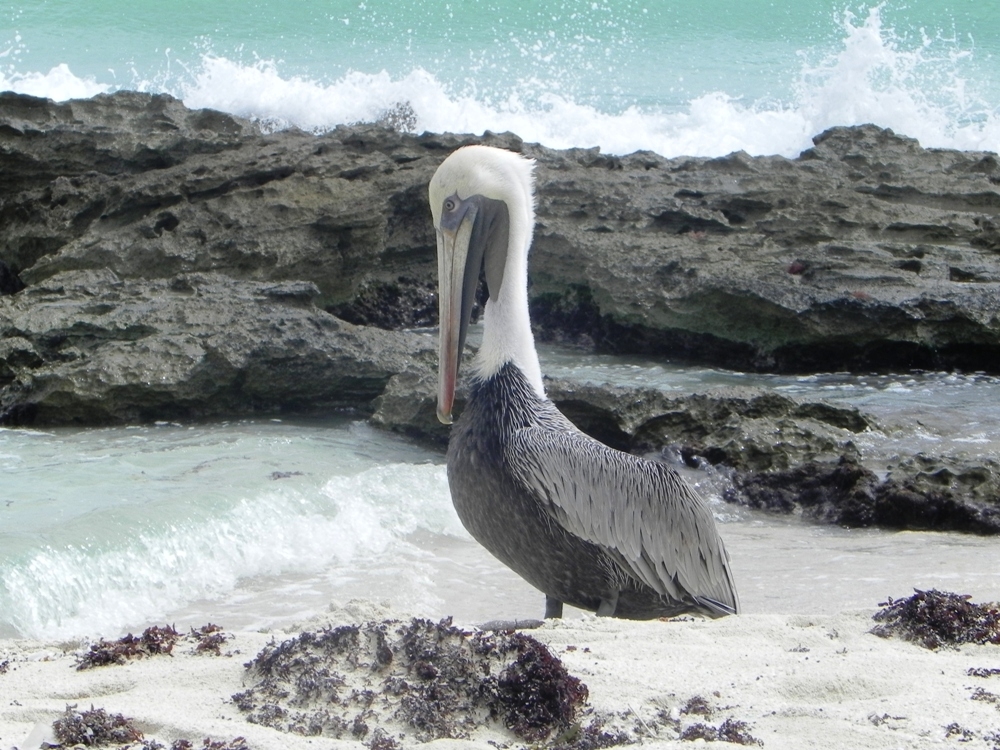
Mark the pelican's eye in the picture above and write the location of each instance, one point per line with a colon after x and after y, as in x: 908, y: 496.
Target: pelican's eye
x: 450, y: 204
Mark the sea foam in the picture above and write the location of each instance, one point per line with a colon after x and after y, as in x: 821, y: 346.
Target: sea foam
x: 915, y: 90
x: 86, y: 589
x: 921, y: 88
x: 59, y: 84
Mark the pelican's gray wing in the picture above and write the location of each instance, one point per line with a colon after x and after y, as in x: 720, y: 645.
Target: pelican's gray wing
x: 640, y: 510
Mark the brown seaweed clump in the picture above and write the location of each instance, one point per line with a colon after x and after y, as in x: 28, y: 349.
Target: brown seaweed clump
x: 431, y: 680
x: 983, y: 672
x: 381, y: 740
x: 957, y: 731
x: 94, y: 727
x: 731, y: 730
x: 534, y: 693
x: 697, y: 706
x: 209, y: 744
x: 208, y: 639
x: 593, y: 736
x: 206, y: 744
x: 936, y: 618
x: 154, y: 640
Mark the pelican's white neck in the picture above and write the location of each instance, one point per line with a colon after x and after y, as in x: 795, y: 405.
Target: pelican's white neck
x: 507, y: 334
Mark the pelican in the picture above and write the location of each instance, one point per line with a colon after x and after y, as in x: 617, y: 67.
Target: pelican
x: 585, y: 524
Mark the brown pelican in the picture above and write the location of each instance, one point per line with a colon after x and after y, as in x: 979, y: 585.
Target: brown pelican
x: 587, y: 525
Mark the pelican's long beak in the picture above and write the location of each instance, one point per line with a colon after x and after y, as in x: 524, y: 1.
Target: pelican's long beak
x: 460, y: 259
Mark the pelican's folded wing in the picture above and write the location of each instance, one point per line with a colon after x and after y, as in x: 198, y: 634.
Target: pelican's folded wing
x: 641, y: 510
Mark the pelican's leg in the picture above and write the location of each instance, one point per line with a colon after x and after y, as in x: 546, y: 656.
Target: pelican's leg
x: 553, y: 608
x: 608, y: 606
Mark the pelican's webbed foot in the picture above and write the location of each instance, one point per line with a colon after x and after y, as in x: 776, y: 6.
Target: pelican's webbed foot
x: 553, y: 608
x: 607, y: 607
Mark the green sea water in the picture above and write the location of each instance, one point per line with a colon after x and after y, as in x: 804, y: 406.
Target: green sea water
x: 253, y: 523
x: 768, y: 75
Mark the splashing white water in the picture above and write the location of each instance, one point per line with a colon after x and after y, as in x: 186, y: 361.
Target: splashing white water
x: 59, y: 84
x: 918, y: 91
x: 915, y: 88
x: 86, y: 589
x: 873, y: 78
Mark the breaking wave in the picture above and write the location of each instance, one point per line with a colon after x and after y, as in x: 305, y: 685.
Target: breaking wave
x: 925, y: 88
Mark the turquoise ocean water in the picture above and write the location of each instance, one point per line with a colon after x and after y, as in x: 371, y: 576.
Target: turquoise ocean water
x: 699, y: 77
x: 254, y: 523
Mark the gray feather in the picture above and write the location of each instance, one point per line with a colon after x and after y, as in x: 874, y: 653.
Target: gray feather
x: 642, y: 510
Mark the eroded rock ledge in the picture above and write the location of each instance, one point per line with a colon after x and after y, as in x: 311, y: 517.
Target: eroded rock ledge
x: 163, y: 263
x: 866, y: 252
x: 86, y: 347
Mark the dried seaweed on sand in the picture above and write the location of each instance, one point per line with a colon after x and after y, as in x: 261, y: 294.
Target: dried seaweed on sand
x: 154, y: 641
x: 419, y: 678
x: 936, y: 618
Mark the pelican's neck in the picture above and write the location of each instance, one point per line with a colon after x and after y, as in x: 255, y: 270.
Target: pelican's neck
x: 506, y: 327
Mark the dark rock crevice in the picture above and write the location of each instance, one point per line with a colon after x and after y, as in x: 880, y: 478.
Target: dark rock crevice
x: 10, y: 282
x: 847, y: 494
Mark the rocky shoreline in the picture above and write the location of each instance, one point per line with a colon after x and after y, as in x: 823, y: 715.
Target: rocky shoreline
x: 163, y: 263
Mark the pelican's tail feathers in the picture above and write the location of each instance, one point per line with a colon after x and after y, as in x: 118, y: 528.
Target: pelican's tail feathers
x: 713, y: 607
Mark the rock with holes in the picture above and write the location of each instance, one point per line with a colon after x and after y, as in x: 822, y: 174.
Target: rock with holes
x: 865, y: 252
x: 144, y: 187
x: 88, y: 347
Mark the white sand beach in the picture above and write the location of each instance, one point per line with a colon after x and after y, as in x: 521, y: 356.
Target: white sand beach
x: 797, y: 681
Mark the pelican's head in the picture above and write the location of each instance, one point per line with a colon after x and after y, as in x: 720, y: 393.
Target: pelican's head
x: 482, y: 202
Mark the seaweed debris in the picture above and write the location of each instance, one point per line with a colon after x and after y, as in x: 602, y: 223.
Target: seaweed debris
x: 380, y: 740
x: 206, y: 744
x: 432, y: 680
x: 4, y: 666
x: 985, y: 696
x: 698, y: 706
x: 957, y: 730
x: 590, y: 737
x: 534, y: 692
x: 731, y: 730
x: 208, y: 639
x: 94, y: 727
x: 154, y: 640
x: 983, y: 672
x: 934, y: 618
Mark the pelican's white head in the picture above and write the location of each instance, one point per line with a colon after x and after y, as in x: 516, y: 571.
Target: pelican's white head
x: 492, y: 173
x: 482, y: 201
